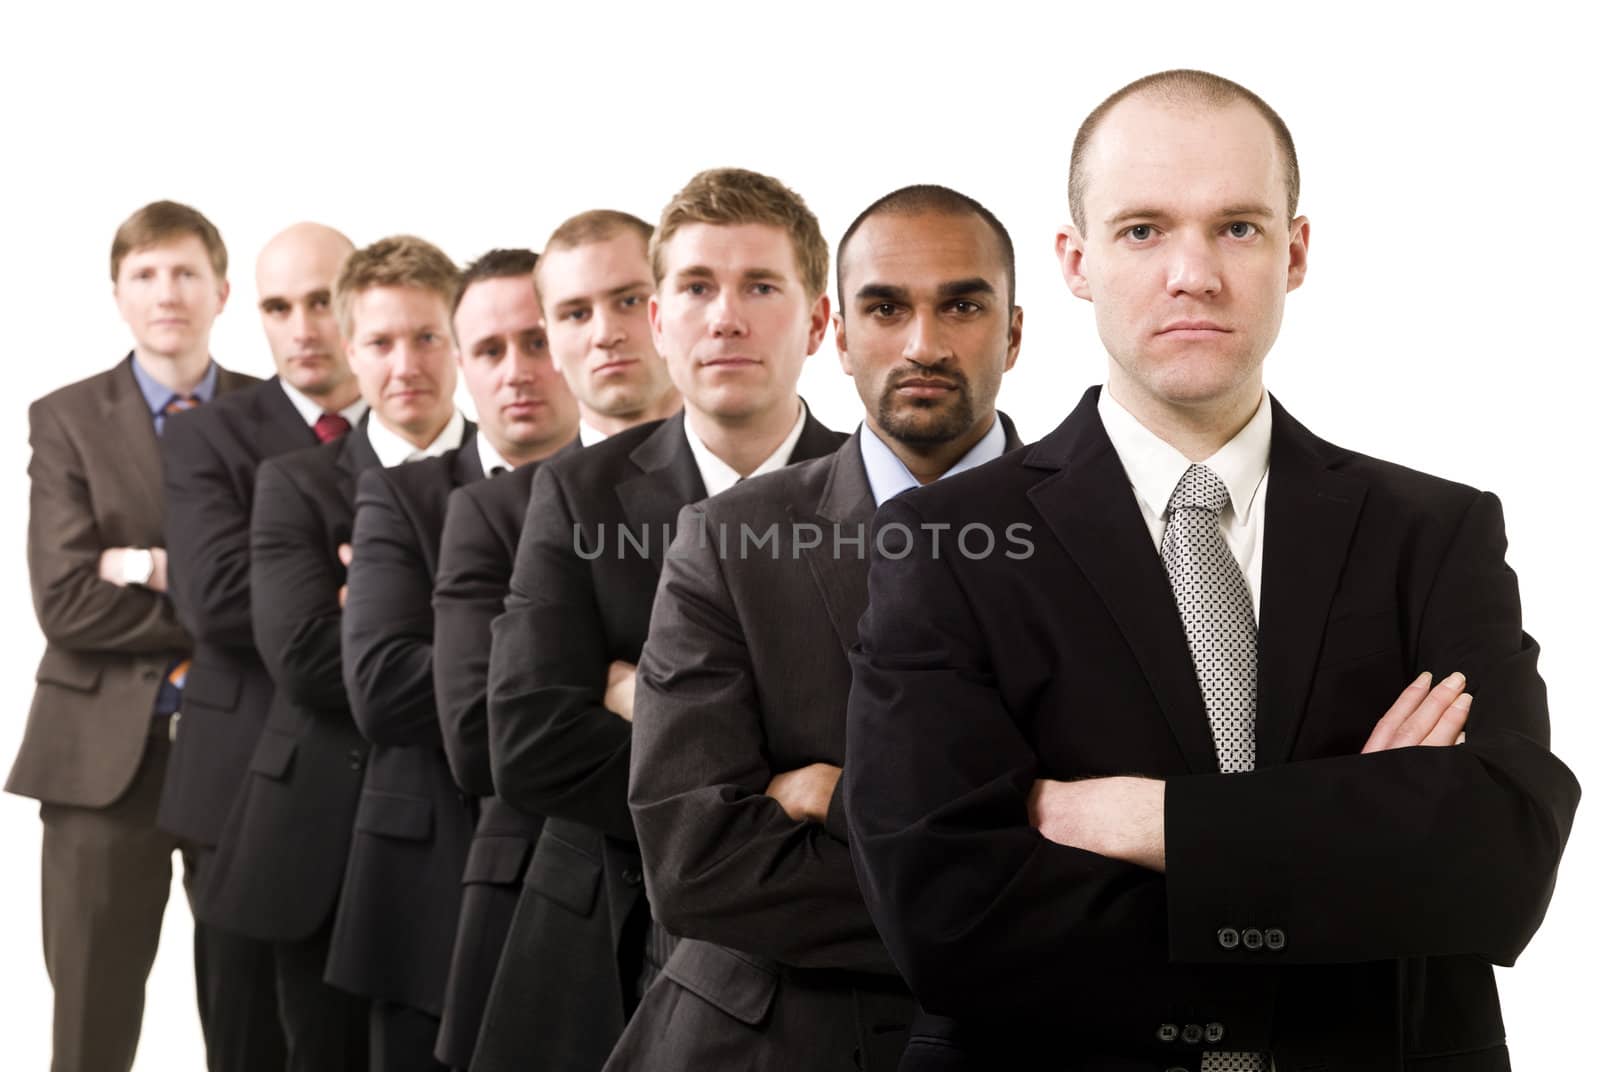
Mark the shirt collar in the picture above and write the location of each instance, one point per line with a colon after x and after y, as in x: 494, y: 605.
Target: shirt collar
x: 309, y: 410
x: 392, y: 449
x: 488, y: 457
x: 1155, y: 466
x: 157, y: 394
x: 588, y: 434
x: 888, y: 475
x: 718, y: 476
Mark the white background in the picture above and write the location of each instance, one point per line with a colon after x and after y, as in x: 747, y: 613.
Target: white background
x: 1448, y: 321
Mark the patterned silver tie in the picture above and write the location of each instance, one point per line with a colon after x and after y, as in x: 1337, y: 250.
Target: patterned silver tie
x: 1220, y: 623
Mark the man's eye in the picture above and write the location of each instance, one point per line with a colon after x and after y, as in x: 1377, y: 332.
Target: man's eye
x: 883, y: 310
x: 964, y: 307
x: 575, y: 315
x: 697, y: 289
x: 320, y: 303
x: 763, y: 288
x: 1140, y: 232
x: 630, y: 301
x: 1240, y: 229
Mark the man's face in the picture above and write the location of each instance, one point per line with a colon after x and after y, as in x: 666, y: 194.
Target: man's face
x: 924, y: 324
x: 594, y: 299
x: 733, y: 319
x: 523, y: 403
x: 169, y: 295
x: 401, y: 352
x: 294, y: 278
x: 1187, y: 250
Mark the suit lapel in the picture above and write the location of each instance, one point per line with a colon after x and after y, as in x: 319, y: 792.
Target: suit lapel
x: 668, y: 481
x: 846, y: 502
x: 127, y: 417
x: 1090, y: 509
x: 467, y: 466
x: 1311, y: 516
x: 280, y: 426
x: 355, y: 455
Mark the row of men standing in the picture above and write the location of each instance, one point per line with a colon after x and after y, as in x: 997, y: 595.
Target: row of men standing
x: 439, y: 736
x: 358, y: 812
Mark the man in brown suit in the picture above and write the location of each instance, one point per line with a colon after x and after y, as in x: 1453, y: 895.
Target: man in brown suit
x: 95, y: 750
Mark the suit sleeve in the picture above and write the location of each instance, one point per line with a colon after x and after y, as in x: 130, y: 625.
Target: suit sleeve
x: 468, y: 594
x: 388, y: 622
x: 76, y: 609
x: 554, y: 747
x: 296, y: 579
x: 1415, y: 851
x: 208, y: 537
x: 984, y: 916
x: 723, y: 861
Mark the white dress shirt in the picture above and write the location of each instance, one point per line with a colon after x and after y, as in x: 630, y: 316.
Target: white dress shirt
x: 589, y: 435
x: 1155, y: 466
x: 488, y: 457
x: 718, y: 476
x: 309, y: 410
x: 392, y: 449
x: 888, y: 475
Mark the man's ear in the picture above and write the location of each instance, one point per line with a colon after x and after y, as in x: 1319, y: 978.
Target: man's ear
x: 1299, y: 243
x: 1070, y: 254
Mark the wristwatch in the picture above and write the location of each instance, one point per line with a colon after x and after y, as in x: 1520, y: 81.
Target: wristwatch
x: 138, y: 565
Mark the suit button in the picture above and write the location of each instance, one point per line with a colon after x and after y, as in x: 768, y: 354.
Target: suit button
x: 1275, y: 939
x: 1192, y: 1034
x: 1228, y: 938
x: 1252, y: 939
x: 1167, y: 1032
x: 152, y: 675
x: 355, y: 759
x: 632, y: 877
x: 1214, y: 1032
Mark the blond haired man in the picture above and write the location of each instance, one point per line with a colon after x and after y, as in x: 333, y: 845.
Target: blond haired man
x: 283, y: 860
x: 740, y: 272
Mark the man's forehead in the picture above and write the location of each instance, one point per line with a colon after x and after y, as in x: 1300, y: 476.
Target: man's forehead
x: 923, y: 250
x: 176, y: 248
x: 1151, y: 153
x: 731, y: 247
x: 594, y: 269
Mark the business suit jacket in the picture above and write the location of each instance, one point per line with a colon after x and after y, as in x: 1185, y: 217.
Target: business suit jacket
x: 94, y: 482
x: 557, y: 751
x: 746, y: 674
x: 1340, y: 911
x: 281, y: 863
x: 209, y: 457
x: 476, y: 552
x: 402, y: 887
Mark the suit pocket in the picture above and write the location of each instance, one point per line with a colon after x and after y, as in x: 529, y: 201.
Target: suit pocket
x: 495, y: 860
x: 69, y: 670
x: 731, y: 981
x: 1356, y: 636
x: 395, y: 815
x: 564, y: 873
x: 216, y: 689
x: 274, y: 755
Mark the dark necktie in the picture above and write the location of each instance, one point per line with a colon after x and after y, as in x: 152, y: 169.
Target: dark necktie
x: 1220, y: 623
x: 330, y: 426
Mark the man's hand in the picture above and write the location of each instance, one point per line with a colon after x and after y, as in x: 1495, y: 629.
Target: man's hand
x: 619, y: 689
x: 804, y: 794
x: 1120, y: 818
x: 347, y: 555
x: 113, y: 571
x: 1422, y: 716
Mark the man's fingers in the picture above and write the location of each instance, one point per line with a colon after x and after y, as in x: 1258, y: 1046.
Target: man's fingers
x: 1410, y: 699
x: 1448, y: 730
x: 1428, y: 713
x: 346, y: 553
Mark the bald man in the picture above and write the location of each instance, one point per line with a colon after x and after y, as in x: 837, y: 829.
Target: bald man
x: 209, y: 459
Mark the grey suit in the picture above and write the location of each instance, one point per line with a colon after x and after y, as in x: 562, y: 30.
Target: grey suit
x: 745, y: 674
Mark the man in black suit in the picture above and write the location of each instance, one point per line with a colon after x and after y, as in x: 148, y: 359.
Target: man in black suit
x: 209, y: 459
x: 739, y: 728
x: 595, y: 280
x: 282, y: 860
x: 1102, y: 825
x: 740, y: 269
x: 403, y: 886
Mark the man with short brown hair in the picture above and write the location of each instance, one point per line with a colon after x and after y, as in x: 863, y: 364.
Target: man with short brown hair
x: 116, y: 658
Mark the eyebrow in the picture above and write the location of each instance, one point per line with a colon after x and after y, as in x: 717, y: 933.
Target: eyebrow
x: 704, y: 271
x: 1241, y: 209
x: 953, y: 289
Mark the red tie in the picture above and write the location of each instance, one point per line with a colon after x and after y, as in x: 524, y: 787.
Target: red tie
x: 179, y: 403
x: 330, y: 426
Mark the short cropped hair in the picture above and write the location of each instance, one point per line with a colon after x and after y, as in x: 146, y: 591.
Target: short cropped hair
x: 597, y: 225
x: 397, y: 261
x: 1182, y: 87
x: 160, y: 222
x: 495, y: 264
x: 936, y: 200
x: 728, y: 196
